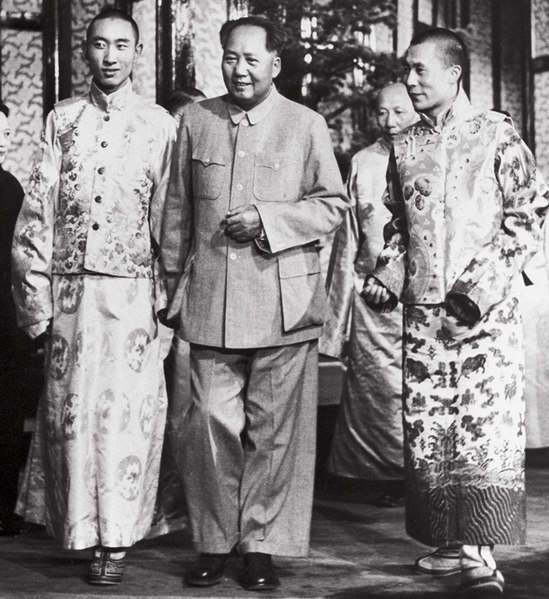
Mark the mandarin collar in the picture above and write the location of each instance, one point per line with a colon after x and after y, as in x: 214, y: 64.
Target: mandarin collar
x: 460, y: 109
x: 117, y: 99
x: 257, y: 112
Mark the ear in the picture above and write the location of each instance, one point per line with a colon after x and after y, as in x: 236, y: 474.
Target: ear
x: 455, y: 73
x: 277, y: 66
x: 138, y: 50
x: 85, y: 50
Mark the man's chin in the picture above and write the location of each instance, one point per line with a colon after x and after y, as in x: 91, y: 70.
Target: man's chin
x: 109, y: 86
x: 241, y: 99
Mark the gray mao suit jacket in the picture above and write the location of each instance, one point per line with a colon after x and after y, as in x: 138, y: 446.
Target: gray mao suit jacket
x: 278, y: 156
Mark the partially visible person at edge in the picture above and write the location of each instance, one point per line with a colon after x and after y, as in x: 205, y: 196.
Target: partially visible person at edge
x: 180, y: 98
x: 178, y: 371
x: 86, y: 276
x: 367, y: 442
x: 170, y: 500
x: 15, y: 348
x: 254, y: 185
x: 467, y: 208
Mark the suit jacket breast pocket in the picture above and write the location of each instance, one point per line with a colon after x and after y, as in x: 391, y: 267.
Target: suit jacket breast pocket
x: 273, y: 176
x: 209, y: 171
x: 301, y: 288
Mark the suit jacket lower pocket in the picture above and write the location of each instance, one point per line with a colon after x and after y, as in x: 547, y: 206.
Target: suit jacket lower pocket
x: 301, y: 288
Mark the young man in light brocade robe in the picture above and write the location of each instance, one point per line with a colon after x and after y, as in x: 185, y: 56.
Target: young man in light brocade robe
x: 86, y: 277
x: 467, y: 208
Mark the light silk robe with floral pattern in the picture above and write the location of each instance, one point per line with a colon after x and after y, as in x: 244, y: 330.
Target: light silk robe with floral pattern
x: 367, y: 440
x: 467, y: 206
x: 83, y: 259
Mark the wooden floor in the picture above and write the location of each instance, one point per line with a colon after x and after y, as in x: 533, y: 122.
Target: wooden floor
x: 357, y: 551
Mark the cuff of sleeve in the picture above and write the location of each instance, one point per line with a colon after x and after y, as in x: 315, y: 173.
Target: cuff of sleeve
x: 35, y: 330
x: 262, y: 243
x: 392, y: 274
x: 463, y: 307
x: 474, y: 296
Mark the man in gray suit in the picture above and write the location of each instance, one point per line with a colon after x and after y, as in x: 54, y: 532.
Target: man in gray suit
x: 254, y: 186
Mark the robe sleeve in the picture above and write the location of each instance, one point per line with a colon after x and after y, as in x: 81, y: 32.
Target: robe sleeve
x: 323, y: 203
x: 177, y: 220
x: 32, y: 247
x: 391, y: 264
x: 161, y: 172
x: 341, y: 275
x: 488, y: 278
x: 161, y: 175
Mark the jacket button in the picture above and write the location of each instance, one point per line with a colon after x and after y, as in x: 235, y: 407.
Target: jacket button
x: 95, y: 226
x: 106, y: 118
x: 98, y: 199
x: 232, y: 256
x: 104, y: 144
x: 101, y: 170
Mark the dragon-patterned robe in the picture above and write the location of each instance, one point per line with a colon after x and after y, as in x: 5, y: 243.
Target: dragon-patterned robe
x: 467, y: 207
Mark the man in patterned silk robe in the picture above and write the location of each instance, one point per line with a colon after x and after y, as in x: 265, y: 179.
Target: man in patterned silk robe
x: 85, y: 276
x: 467, y: 207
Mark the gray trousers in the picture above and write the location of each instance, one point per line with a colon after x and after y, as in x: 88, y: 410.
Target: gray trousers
x: 248, y: 448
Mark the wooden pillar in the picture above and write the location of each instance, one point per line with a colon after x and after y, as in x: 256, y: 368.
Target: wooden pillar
x: 175, y: 65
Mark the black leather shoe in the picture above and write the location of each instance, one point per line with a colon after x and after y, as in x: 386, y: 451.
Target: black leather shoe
x: 259, y: 572
x: 208, y: 570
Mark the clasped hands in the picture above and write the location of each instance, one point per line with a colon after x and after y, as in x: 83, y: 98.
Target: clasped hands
x: 458, y: 305
x: 242, y: 223
x: 374, y: 293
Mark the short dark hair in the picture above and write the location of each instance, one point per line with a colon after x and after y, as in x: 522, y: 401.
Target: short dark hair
x: 4, y: 109
x: 182, y: 97
x: 110, y: 12
x: 450, y: 44
x: 276, y: 36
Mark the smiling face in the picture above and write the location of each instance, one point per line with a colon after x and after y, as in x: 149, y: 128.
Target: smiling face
x: 111, y: 50
x: 431, y: 82
x: 248, y: 67
x: 5, y: 137
x: 395, y: 111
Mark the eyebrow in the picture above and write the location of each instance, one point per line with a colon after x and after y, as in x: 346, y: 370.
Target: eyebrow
x: 417, y: 63
x: 99, y: 38
x: 247, y: 54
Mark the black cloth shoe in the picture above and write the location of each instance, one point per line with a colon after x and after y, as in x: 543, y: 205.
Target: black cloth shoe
x: 106, y: 570
x: 259, y: 572
x: 207, y: 570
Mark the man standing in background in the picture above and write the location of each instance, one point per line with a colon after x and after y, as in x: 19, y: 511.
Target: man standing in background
x: 15, y: 349
x: 367, y: 442
x: 254, y: 186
